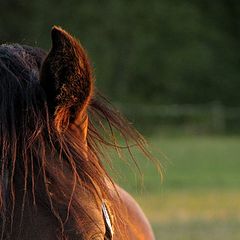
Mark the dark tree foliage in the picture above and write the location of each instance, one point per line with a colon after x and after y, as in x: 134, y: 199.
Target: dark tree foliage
x: 155, y: 51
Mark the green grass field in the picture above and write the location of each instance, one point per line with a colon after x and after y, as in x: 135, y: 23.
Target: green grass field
x: 199, y: 197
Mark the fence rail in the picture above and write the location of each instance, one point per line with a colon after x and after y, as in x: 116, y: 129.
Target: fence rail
x: 212, y: 117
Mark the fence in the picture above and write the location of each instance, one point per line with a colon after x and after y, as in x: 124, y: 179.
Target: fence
x: 211, y: 118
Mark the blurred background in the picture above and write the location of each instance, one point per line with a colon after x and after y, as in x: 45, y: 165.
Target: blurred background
x: 173, y: 68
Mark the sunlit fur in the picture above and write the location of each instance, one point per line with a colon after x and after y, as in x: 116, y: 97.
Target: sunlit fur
x: 46, y: 170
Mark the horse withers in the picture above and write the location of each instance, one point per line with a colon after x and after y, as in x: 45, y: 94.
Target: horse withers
x: 53, y: 130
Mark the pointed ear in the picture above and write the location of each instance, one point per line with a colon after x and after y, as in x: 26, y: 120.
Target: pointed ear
x: 67, y: 79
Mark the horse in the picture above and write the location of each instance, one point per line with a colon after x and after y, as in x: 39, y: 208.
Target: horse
x: 55, y: 128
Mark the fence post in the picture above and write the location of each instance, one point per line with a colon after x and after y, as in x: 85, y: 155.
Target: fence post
x: 218, y: 117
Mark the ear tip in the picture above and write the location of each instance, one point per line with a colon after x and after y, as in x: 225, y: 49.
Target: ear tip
x: 57, y: 29
x: 59, y: 36
x: 56, y: 32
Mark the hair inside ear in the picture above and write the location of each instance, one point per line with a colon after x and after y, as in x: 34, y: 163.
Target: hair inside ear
x: 66, y: 77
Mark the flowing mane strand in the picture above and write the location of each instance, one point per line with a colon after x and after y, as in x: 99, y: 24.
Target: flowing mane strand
x: 39, y: 165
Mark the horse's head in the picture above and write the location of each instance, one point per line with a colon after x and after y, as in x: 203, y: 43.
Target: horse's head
x: 51, y: 139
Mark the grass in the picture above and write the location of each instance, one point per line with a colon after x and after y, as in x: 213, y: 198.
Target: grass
x: 199, y: 197
x: 194, y: 215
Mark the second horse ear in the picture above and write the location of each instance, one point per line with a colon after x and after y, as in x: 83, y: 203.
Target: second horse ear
x: 66, y: 77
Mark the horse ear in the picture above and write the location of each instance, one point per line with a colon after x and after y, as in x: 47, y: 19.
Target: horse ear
x: 67, y: 79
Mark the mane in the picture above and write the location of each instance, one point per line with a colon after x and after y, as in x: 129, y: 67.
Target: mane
x: 40, y: 166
